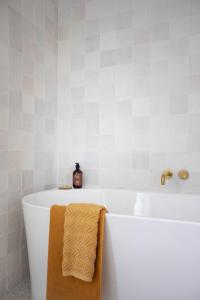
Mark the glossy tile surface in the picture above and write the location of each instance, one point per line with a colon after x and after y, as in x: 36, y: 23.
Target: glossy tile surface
x: 28, y: 63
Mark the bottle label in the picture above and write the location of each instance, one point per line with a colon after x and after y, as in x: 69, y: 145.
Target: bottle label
x: 77, y: 179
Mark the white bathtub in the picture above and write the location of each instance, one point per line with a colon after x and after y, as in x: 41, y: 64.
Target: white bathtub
x: 152, y: 242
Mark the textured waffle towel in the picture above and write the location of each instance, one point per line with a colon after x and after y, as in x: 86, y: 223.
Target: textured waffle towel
x: 80, y: 240
x: 69, y: 287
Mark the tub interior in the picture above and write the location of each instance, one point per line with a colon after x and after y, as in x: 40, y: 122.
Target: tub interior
x: 180, y: 207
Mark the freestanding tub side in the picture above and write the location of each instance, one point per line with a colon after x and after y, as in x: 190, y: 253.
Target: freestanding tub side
x: 145, y: 257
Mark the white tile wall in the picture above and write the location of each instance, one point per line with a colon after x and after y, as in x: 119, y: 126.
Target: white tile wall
x: 129, y: 91
x: 28, y: 83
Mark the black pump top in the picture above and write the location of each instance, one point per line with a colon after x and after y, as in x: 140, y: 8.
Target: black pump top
x: 77, y: 166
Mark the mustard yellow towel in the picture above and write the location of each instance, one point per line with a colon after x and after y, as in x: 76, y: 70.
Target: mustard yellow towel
x: 69, y: 287
x: 80, y: 240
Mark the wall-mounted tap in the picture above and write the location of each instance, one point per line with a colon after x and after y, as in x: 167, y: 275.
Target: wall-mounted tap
x: 167, y: 174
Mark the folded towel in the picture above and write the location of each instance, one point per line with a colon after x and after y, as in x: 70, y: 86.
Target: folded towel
x: 80, y: 240
x: 69, y: 287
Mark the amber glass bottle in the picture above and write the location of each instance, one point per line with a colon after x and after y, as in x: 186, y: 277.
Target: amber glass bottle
x: 77, y: 177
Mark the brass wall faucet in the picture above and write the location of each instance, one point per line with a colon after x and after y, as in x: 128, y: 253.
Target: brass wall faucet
x: 167, y: 174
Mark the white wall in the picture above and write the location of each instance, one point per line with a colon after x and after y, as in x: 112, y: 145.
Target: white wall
x: 28, y: 64
x: 129, y: 91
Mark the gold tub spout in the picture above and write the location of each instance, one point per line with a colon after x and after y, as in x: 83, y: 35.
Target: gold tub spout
x: 167, y: 174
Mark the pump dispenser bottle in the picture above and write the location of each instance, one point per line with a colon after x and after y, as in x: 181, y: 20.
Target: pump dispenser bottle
x: 77, y: 177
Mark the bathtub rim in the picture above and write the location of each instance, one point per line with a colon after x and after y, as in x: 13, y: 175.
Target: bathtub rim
x: 25, y: 202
